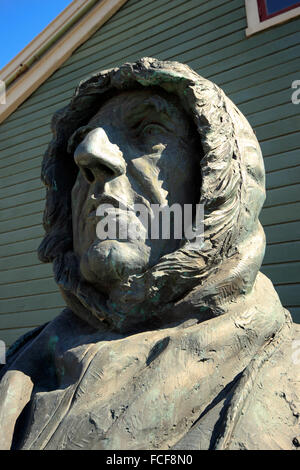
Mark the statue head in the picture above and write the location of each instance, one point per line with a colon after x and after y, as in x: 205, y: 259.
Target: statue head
x: 149, y: 133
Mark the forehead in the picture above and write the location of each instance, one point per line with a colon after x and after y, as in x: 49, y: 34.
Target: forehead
x: 132, y: 104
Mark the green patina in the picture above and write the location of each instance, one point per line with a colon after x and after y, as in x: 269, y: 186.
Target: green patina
x: 156, y: 297
x: 157, y: 77
x: 203, y: 309
x: 52, y: 343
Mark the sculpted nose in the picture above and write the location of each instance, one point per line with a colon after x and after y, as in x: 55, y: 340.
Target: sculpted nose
x: 98, y: 158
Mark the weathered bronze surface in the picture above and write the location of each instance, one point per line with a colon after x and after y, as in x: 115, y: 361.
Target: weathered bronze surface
x: 163, y: 344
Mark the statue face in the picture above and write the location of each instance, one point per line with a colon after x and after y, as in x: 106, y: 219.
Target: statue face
x: 137, y: 149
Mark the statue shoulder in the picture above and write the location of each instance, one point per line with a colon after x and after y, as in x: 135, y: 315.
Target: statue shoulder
x: 19, y: 344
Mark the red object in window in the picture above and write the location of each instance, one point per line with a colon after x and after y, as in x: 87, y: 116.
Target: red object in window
x: 263, y: 11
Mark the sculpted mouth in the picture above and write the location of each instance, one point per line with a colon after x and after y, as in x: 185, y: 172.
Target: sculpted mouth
x: 94, y: 203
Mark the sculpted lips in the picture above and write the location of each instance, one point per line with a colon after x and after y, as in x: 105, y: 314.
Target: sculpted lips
x: 93, y: 204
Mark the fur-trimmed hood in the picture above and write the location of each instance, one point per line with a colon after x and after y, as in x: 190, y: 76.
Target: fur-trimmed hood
x: 232, y: 190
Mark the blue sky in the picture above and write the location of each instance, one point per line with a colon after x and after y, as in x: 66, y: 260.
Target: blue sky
x: 21, y: 21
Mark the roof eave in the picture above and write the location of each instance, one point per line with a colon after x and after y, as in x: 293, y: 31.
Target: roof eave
x: 51, y: 48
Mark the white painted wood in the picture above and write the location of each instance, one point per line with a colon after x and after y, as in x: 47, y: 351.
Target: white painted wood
x: 253, y: 20
x: 31, y: 79
x: 41, y: 39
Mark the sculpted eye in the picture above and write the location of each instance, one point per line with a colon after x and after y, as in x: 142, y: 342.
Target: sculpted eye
x: 153, y: 129
x: 77, y: 137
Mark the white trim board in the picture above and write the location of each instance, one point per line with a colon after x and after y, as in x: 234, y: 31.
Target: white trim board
x: 42, y: 38
x: 61, y: 50
x: 254, y: 23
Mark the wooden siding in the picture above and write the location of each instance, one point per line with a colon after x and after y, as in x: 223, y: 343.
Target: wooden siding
x: 209, y: 35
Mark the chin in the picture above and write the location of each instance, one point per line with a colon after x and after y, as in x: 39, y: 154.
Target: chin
x: 109, y: 262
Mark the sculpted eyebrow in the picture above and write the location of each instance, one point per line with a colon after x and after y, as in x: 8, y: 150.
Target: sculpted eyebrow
x: 135, y: 114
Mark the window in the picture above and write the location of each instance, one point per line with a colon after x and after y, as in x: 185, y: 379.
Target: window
x: 262, y: 14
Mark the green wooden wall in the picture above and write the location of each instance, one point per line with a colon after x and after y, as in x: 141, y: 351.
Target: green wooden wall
x: 255, y: 72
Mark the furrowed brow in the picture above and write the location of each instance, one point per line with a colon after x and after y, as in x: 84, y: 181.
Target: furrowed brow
x: 156, y: 103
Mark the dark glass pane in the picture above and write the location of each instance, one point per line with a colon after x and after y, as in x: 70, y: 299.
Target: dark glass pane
x: 274, y: 6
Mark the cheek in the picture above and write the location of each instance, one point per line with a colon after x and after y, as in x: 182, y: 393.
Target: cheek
x: 78, y: 198
x: 182, y: 177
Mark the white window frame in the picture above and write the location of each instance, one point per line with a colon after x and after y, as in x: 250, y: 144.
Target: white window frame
x: 255, y: 24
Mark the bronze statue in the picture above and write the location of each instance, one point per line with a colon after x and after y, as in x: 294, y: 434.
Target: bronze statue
x: 165, y: 343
